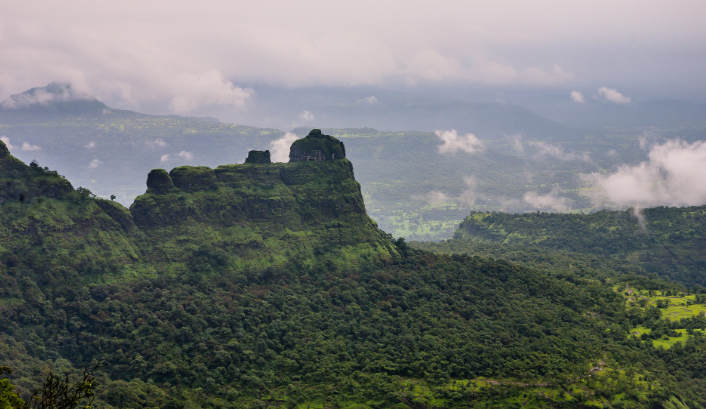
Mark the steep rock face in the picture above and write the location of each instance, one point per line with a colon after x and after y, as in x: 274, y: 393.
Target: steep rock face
x: 264, y: 215
x: 317, y: 147
x: 193, y: 178
x: 247, y: 217
x: 159, y: 180
x: 258, y: 157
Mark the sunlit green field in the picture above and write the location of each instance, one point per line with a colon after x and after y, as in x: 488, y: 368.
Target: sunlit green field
x: 681, y: 306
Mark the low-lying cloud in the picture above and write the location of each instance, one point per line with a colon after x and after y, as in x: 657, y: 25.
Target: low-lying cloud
x: 54, y: 92
x: 6, y: 140
x: 547, y: 149
x: 612, y: 95
x: 516, y: 140
x: 186, y: 155
x: 371, y: 100
x: 207, y: 88
x: 453, y: 143
x: 306, y: 116
x: 577, y: 97
x: 673, y: 175
x: 95, y: 163
x: 157, y: 143
x: 551, y: 201
x: 26, y: 146
x: 467, y: 196
x: 279, y: 148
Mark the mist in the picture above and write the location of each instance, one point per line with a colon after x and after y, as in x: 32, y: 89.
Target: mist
x: 672, y: 176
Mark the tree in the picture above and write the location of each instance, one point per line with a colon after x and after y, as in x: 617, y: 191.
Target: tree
x: 61, y: 393
x: 8, y: 397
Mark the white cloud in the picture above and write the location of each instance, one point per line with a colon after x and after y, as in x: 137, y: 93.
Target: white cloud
x: 157, y: 143
x: 547, y: 149
x: 7, y: 142
x: 466, y: 197
x: 26, y: 146
x: 164, y: 158
x: 90, y: 145
x: 208, y: 88
x: 468, y: 143
x: 539, y: 76
x: 433, y: 197
x: 279, y: 148
x: 94, y: 163
x: 550, y: 201
x: 516, y: 140
x: 673, y: 175
x: 54, y: 92
x: 371, y: 100
x: 142, y: 54
x: 612, y: 95
x: 306, y: 116
x: 577, y: 96
x: 185, y: 155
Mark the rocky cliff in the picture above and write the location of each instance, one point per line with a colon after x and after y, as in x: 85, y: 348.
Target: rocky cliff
x: 251, y: 216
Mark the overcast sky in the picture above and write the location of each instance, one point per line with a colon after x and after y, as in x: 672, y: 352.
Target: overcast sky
x: 189, y: 55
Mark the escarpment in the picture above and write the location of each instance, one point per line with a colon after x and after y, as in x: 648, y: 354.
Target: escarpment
x: 251, y: 216
x: 261, y: 213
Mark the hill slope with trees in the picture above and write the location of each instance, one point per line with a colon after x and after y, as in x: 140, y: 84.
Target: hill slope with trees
x: 261, y: 285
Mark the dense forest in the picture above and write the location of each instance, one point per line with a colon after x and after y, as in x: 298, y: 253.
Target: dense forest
x: 666, y: 241
x: 184, y: 310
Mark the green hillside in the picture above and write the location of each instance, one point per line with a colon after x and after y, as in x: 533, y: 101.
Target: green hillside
x: 267, y: 285
x: 672, y: 242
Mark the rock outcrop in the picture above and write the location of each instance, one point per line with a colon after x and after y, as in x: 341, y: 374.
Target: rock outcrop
x: 191, y: 178
x: 159, y: 180
x: 317, y: 147
x: 258, y: 157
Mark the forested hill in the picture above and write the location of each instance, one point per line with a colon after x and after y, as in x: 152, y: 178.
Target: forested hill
x: 671, y: 242
x: 267, y: 285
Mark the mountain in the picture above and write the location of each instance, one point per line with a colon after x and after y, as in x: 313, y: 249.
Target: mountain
x: 264, y: 285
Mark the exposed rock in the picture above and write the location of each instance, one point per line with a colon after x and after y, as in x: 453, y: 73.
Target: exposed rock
x: 193, y: 177
x: 317, y: 147
x: 258, y: 157
x: 159, y: 180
